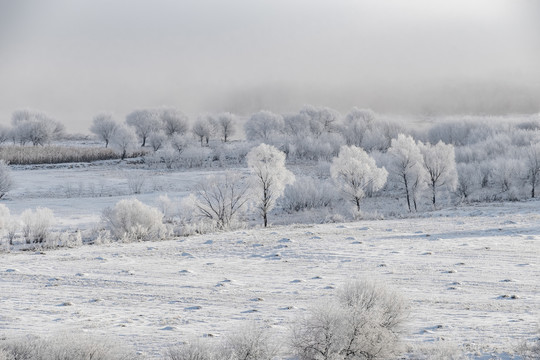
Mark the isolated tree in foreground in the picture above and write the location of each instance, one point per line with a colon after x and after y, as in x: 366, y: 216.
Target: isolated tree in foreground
x: 362, y: 323
x: 355, y: 171
x: 6, y: 182
x: 269, y: 177
x: 221, y: 198
x: 406, y: 164
x: 124, y: 140
x: 104, y: 126
x: 440, y: 164
x: 144, y: 122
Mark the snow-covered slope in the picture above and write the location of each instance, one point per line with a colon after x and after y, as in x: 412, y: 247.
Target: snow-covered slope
x: 471, y: 276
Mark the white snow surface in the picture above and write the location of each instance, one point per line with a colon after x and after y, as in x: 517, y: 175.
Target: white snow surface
x: 457, y: 268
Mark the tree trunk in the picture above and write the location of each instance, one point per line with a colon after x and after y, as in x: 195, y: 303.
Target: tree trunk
x: 407, y: 191
x: 265, y: 219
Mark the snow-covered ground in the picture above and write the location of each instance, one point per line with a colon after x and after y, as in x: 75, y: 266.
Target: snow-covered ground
x: 470, y: 274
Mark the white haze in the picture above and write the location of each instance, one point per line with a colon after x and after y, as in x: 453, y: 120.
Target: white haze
x: 74, y: 58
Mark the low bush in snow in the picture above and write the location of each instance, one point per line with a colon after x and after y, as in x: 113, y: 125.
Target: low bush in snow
x: 36, y: 225
x: 247, y: 343
x: 64, y: 347
x: 362, y: 323
x: 131, y: 220
x: 308, y: 193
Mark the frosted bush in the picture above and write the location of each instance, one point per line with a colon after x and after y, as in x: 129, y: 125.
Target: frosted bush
x: 62, y: 347
x: 131, y: 220
x: 308, y: 193
x: 36, y: 224
x: 363, y: 322
x: 195, y: 156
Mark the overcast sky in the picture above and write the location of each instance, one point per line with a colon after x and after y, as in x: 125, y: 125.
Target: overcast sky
x: 75, y: 58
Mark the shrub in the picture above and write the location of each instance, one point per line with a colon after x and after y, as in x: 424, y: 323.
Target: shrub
x: 36, y: 224
x: 308, y: 193
x: 131, y: 220
x: 362, y: 323
x: 192, y: 351
x: 247, y: 343
x: 64, y: 347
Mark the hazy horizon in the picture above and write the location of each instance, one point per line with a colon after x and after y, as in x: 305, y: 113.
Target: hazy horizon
x: 73, y: 59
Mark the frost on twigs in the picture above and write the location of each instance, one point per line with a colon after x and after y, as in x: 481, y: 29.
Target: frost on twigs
x: 363, y: 322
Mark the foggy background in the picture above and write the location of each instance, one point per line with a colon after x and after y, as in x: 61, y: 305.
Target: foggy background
x: 75, y: 58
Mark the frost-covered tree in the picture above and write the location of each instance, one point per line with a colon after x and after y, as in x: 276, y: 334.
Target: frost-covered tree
x: 467, y: 179
x: 204, y: 128
x: 35, y: 127
x: 262, y: 126
x: 6, y: 181
x: 104, y: 126
x: 226, y: 125
x: 321, y: 119
x: 440, y: 164
x: 296, y: 125
x: 406, y: 164
x: 124, y: 140
x: 180, y: 142
x: 157, y: 139
x: 533, y: 166
x: 269, y: 177
x: 144, y: 122
x: 355, y: 171
x: 222, y: 198
x: 173, y: 121
x: 356, y: 123
x: 4, y: 134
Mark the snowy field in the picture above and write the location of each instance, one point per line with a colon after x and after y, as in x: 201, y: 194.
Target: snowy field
x: 470, y: 274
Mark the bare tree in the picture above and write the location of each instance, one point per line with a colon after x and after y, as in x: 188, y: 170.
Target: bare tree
x: 145, y: 122
x: 355, y: 171
x: 104, y: 126
x: 269, y: 176
x: 222, y: 198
